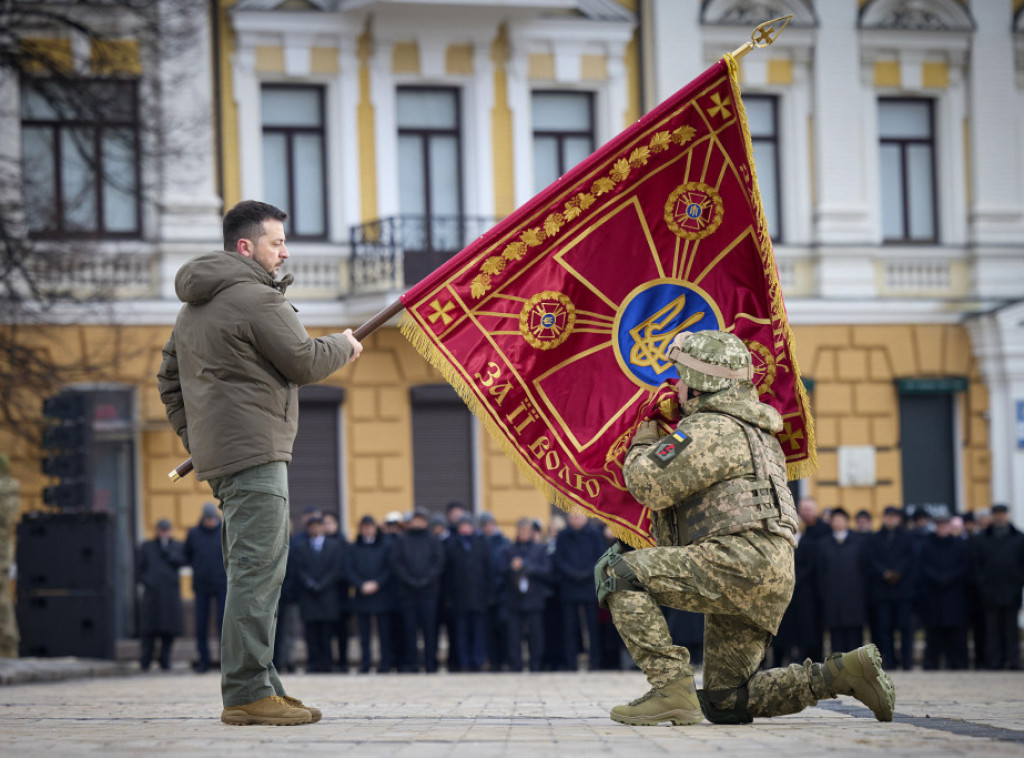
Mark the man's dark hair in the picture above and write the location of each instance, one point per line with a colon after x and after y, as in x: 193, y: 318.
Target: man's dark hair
x: 245, y: 221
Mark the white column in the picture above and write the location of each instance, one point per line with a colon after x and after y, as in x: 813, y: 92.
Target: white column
x: 479, y: 174
x: 10, y: 138
x: 997, y: 213
x: 673, y: 32
x: 842, y: 203
x: 617, y: 95
x: 794, y: 109
x: 346, y: 127
x: 382, y: 94
x: 250, y: 133
x: 998, y: 343
x: 520, y: 103
x: 952, y: 194
x: 188, y: 205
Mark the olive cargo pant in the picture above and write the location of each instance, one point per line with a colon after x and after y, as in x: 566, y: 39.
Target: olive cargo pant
x: 729, y: 579
x: 255, y: 541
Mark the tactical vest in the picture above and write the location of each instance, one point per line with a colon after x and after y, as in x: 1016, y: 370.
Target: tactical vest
x: 736, y: 505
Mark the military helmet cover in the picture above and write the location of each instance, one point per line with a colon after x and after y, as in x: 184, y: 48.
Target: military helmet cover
x: 710, y: 361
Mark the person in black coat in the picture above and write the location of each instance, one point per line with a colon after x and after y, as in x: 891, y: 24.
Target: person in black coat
x: 417, y: 562
x: 469, y: 589
x: 340, y: 631
x: 891, y: 561
x: 799, y: 636
x: 161, y: 614
x: 999, y: 568
x: 368, y: 570
x: 945, y: 567
x: 576, y: 551
x: 527, y: 572
x: 975, y: 611
x: 318, y: 563
x: 842, y: 569
x: 815, y: 528
x: 209, y: 579
x: 497, y: 612
x: 289, y: 625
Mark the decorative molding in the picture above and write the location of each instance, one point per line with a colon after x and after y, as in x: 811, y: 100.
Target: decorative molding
x: 750, y: 13
x: 917, y: 15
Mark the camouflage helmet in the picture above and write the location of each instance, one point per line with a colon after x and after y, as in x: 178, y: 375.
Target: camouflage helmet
x: 710, y: 361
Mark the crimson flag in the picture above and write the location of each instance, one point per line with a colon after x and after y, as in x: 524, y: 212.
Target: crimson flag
x: 552, y: 326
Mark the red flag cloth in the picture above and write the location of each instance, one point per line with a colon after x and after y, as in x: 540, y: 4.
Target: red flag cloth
x: 552, y: 326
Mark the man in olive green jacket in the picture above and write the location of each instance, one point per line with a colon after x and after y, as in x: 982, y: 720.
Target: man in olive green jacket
x: 229, y: 381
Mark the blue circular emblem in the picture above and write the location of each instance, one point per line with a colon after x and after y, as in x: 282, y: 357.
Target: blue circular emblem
x: 648, y: 320
x: 547, y: 320
x: 693, y: 210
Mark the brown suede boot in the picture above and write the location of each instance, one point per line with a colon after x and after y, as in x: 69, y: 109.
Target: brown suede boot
x: 270, y: 711
x: 314, y: 712
x: 859, y: 673
x: 676, y: 703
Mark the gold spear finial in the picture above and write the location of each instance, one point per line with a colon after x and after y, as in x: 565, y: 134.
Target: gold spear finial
x: 763, y: 35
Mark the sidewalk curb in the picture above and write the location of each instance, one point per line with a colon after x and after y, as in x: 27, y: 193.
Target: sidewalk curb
x: 29, y: 670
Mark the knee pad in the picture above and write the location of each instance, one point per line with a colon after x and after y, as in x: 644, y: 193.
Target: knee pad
x: 712, y: 703
x: 619, y: 576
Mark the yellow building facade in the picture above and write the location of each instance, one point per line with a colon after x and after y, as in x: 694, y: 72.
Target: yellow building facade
x: 495, y: 57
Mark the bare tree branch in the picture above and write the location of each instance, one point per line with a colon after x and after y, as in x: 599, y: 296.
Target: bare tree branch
x: 52, y: 259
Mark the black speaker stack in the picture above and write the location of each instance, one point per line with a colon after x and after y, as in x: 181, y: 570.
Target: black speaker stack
x: 66, y: 585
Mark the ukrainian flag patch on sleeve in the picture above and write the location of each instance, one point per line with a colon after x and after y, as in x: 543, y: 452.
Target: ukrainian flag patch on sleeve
x: 671, y: 446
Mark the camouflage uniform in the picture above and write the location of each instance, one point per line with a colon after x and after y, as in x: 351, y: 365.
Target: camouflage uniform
x: 723, y: 518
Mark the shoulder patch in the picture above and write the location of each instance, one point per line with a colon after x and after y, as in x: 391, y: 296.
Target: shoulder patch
x: 671, y: 446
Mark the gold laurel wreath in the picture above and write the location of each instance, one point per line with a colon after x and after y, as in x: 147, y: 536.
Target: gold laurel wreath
x: 712, y: 225
x: 577, y: 205
x: 533, y: 302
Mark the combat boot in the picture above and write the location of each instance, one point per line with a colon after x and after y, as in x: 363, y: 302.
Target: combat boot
x: 859, y: 673
x: 676, y: 703
x: 270, y: 711
x: 314, y: 712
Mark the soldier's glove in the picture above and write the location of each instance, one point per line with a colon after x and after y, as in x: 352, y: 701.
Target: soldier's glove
x: 621, y: 577
x: 646, y: 434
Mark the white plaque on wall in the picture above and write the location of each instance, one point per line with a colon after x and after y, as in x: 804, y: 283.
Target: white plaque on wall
x: 856, y: 466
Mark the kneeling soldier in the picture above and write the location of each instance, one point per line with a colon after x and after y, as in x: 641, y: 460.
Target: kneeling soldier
x: 723, y: 518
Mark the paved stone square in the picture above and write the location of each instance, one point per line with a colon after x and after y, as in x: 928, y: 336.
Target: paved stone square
x: 483, y: 715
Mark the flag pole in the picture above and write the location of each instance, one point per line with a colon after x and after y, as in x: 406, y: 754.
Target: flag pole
x: 362, y: 332
x: 763, y: 35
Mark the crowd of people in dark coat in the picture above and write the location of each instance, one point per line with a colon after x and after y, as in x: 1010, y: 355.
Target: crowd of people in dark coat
x: 956, y: 579
x: 414, y: 586
x: 428, y: 590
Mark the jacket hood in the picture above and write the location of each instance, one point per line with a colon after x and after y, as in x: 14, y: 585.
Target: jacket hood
x: 204, y: 276
x: 739, y: 401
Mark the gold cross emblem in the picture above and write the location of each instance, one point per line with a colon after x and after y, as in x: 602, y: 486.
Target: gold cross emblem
x: 441, y: 312
x: 720, y: 105
x: 788, y: 435
x: 765, y: 36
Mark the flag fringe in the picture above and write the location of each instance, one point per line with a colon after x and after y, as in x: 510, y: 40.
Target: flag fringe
x: 425, y: 346
x: 808, y: 466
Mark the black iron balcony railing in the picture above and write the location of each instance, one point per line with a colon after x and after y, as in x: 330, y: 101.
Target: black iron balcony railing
x: 411, y: 246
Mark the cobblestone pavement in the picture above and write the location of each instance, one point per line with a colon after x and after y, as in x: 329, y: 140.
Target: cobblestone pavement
x: 483, y: 715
